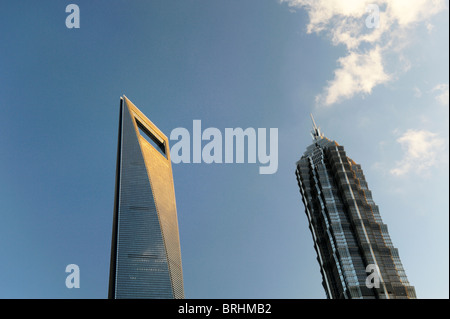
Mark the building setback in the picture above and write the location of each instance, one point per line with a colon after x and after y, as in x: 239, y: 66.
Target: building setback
x: 356, y: 256
x: 145, y: 248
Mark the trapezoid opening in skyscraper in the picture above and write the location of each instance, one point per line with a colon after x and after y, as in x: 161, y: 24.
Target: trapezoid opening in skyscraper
x: 145, y: 247
x: 349, y: 235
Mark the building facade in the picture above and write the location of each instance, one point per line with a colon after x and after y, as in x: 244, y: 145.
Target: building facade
x: 145, y: 248
x: 356, y: 256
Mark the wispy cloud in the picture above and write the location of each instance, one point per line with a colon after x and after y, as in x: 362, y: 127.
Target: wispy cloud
x: 344, y: 21
x: 417, y: 92
x: 421, y: 152
x: 442, y: 93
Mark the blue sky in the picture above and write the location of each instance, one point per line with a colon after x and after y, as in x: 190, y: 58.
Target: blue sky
x: 382, y: 93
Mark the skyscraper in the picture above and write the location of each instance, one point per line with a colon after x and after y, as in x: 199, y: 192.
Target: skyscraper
x: 353, y: 246
x: 145, y: 248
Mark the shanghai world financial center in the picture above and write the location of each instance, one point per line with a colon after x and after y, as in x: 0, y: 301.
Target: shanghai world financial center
x: 347, y: 230
x: 145, y: 248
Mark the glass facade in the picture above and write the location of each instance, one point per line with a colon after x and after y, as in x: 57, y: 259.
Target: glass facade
x: 145, y: 249
x: 348, y: 232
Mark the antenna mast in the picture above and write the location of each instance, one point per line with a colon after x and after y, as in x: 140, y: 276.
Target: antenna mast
x: 315, y: 133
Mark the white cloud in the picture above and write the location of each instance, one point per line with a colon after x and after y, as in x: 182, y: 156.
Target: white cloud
x: 417, y: 92
x: 344, y: 21
x: 421, y: 151
x: 358, y: 73
x: 409, y: 12
x: 443, y: 95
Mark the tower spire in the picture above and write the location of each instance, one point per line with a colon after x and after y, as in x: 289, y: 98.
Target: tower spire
x: 315, y: 133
